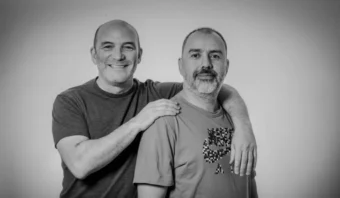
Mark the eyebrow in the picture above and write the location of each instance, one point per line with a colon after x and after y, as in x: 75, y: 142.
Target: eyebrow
x: 216, y: 51
x: 194, y: 50
x: 129, y: 43
x: 199, y: 50
x: 106, y: 43
x: 111, y: 43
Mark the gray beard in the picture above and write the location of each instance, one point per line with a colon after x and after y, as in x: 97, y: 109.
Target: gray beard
x: 205, y: 86
x: 205, y: 89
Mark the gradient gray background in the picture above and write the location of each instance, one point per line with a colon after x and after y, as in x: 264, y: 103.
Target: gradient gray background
x: 284, y: 60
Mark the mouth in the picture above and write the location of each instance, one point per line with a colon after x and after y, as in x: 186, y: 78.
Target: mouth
x: 117, y: 66
x: 205, y: 76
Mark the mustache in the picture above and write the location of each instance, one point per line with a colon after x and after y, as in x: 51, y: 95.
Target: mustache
x: 204, y: 71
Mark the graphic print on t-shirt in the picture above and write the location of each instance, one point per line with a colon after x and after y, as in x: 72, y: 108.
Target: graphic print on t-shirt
x: 220, y: 137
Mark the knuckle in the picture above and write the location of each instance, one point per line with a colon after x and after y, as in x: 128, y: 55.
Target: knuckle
x: 170, y: 112
x: 246, y: 148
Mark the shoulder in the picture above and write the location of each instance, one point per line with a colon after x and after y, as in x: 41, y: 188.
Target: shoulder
x: 163, y: 126
x: 74, y: 95
x: 78, y: 90
x: 146, y: 84
x: 149, y: 88
x: 163, y: 89
x: 161, y: 85
x: 168, y: 120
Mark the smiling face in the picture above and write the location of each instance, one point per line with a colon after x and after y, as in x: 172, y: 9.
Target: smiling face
x: 116, y: 53
x: 204, y: 62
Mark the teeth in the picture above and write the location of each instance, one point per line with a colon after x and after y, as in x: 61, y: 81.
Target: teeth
x: 110, y: 65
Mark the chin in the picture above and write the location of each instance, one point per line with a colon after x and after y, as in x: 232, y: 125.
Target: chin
x: 114, y: 79
x: 204, y: 87
x: 206, y: 90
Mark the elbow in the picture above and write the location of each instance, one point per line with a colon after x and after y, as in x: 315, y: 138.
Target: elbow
x: 79, y: 174
x: 72, y: 154
x: 79, y: 170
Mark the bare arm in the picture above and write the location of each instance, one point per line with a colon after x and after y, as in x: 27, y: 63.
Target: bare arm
x: 244, y: 144
x: 151, y: 191
x: 84, y: 156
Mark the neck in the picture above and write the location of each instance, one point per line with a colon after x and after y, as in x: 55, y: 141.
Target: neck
x: 207, y: 102
x: 115, y: 88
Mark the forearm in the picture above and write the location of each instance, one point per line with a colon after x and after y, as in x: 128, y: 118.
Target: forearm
x: 95, y: 154
x: 243, y: 148
x: 151, y: 191
x: 84, y: 156
x: 233, y: 103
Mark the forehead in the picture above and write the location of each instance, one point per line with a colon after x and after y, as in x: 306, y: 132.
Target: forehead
x: 116, y: 33
x: 204, y: 41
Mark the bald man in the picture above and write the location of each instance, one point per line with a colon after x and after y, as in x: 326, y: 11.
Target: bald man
x: 97, y: 126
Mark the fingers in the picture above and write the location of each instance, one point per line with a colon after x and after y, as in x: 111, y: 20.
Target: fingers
x: 232, y: 155
x: 165, y: 112
x: 255, y: 157
x: 237, y: 161
x: 164, y: 104
x: 154, y: 110
x: 232, y: 160
x: 250, y: 162
x: 166, y: 107
x: 243, y: 162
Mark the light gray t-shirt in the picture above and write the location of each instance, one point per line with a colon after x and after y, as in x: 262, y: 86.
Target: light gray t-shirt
x: 190, y: 153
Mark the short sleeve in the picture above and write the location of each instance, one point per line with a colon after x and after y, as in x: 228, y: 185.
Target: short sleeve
x: 168, y: 89
x: 67, y: 119
x: 155, y: 158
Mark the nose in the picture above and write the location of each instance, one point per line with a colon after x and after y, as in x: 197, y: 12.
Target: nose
x: 206, y: 62
x: 117, y: 54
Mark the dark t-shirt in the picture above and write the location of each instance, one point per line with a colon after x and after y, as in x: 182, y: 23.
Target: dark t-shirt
x: 89, y: 111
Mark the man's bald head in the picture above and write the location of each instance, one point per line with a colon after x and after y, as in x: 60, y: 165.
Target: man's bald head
x: 117, y: 23
x: 204, y: 30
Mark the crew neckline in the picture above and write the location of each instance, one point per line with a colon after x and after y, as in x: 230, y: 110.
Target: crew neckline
x: 112, y: 95
x: 217, y: 113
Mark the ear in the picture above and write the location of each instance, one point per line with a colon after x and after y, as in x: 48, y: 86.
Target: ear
x: 140, y: 55
x: 93, y: 55
x: 227, y: 65
x: 180, y: 66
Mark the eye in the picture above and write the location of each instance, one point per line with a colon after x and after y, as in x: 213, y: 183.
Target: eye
x: 107, y: 47
x: 195, y: 55
x: 128, y: 47
x: 215, y: 56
